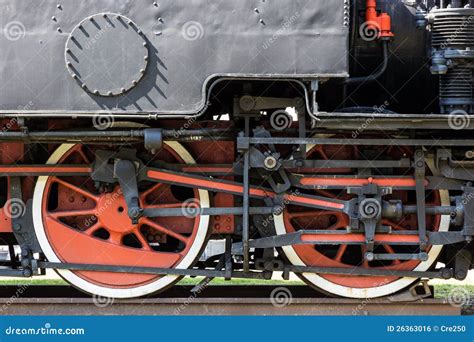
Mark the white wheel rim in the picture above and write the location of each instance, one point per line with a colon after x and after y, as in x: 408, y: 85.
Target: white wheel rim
x: 371, y: 292
x: 155, y: 286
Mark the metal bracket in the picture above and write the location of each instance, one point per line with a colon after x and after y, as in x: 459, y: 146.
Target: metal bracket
x: 462, y: 264
x: 420, y: 173
x: 153, y: 139
x: 460, y: 170
x: 22, y: 224
x: 369, y: 212
x: 468, y: 205
x: 415, y: 293
x: 126, y: 173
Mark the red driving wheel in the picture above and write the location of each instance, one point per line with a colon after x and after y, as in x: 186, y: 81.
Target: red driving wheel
x: 80, y: 224
x: 350, y: 255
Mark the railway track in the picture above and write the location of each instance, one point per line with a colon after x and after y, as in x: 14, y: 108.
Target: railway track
x: 213, y: 300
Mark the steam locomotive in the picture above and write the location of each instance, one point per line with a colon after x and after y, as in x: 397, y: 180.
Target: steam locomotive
x: 330, y: 139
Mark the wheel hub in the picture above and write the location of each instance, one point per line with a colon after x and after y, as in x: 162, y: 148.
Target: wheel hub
x: 112, y: 213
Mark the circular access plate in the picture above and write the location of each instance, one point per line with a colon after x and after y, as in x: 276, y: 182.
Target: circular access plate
x: 107, y: 54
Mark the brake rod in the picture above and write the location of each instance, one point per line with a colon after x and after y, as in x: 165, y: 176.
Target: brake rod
x: 442, y: 273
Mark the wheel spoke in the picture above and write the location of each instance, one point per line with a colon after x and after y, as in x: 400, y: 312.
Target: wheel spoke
x: 83, y: 155
x: 76, y: 189
x: 115, y: 238
x: 92, y: 229
x: 340, y: 253
x: 365, y: 262
x: 147, y: 192
x: 142, y: 240
x: 165, y: 230
x: 69, y: 213
x: 323, y: 154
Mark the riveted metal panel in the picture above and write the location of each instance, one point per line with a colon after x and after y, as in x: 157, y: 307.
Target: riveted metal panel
x: 190, y: 43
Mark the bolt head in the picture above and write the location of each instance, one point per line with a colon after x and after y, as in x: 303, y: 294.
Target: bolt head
x: 369, y: 256
x: 27, y: 272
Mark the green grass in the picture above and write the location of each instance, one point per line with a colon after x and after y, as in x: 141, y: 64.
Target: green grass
x: 20, y: 282
x: 441, y: 291
x: 242, y: 282
x: 185, y: 281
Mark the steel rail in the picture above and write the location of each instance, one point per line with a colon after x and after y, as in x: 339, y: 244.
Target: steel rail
x: 211, y: 300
